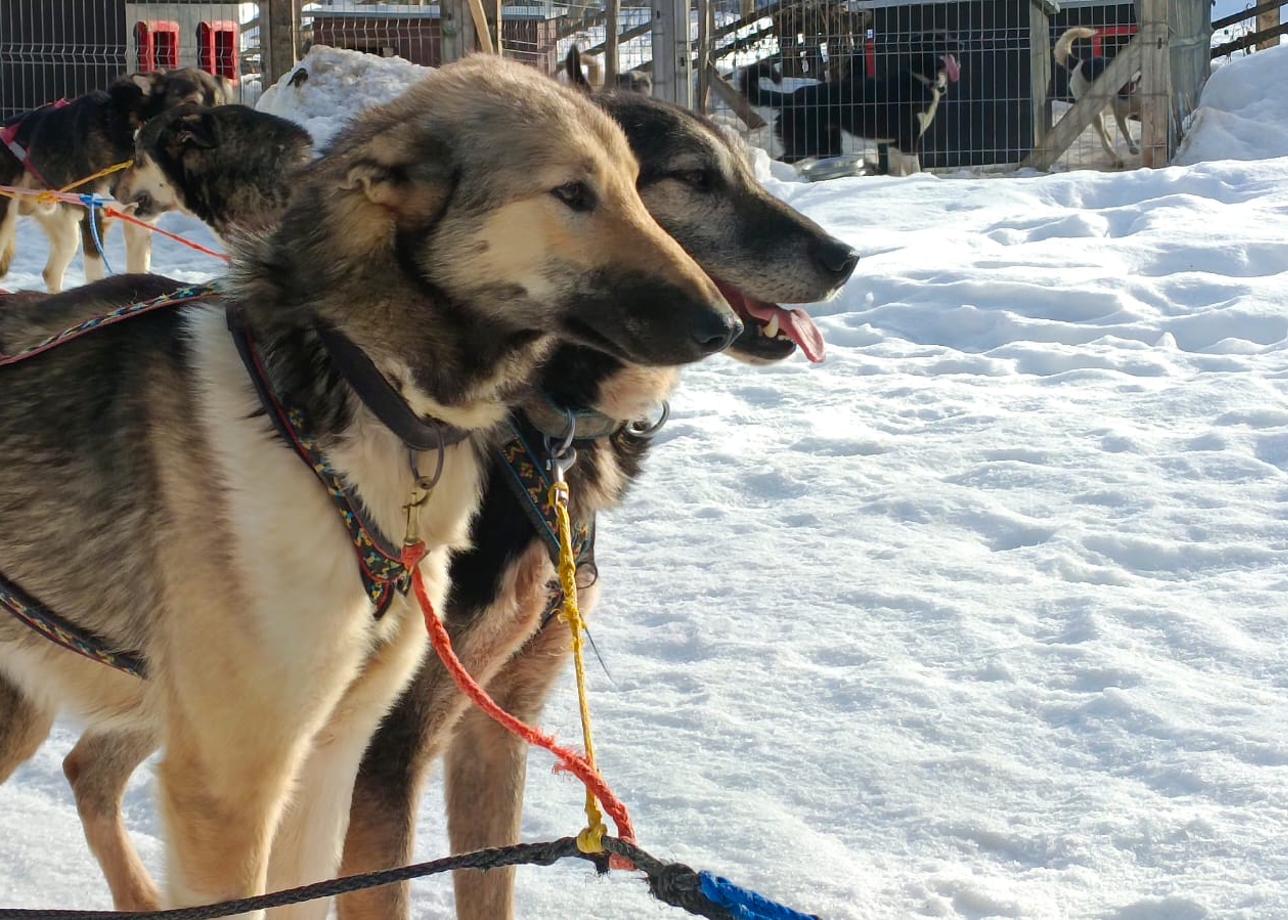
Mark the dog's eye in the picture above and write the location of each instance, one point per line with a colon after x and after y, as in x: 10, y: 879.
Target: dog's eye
x: 577, y: 195
x: 704, y: 180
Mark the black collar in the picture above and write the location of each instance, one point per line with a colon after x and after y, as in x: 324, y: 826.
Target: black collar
x: 375, y: 392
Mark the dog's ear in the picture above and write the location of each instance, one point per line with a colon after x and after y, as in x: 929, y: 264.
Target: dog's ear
x: 413, y: 189
x: 197, y: 130
x: 146, y: 82
x: 572, y: 66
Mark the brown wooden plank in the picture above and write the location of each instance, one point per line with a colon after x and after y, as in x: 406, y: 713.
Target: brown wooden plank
x: 1119, y: 72
x: 730, y: 96
x: 481, y: 30
x: 612, y: 22
x: 1155, y: 87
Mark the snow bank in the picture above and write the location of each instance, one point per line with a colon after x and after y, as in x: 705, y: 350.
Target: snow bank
x: 1243, y: 114
x: 339, y: 85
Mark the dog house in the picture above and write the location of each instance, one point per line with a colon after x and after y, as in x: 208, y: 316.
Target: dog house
x: 55, y: 49
x: 415, y: 32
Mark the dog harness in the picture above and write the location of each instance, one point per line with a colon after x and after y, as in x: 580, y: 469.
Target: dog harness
x: 9, y: 137
x: 26, y: 608
x: 530, y: 469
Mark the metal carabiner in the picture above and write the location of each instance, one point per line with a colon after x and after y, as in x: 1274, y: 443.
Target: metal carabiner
x: 562, y: 455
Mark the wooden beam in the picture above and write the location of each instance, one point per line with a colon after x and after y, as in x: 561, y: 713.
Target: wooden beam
x: 481, y: 30
x: 1119, y: 72
x: 704, y: 54
x: 626, y: 36
x: 1039, y: 70
x: 612, y: 22
x: 1247, y: 41
x: 730, y: 96
x: 1258, y: 10
x: 279, y: 49
x: 1267, y: 20
x: 1155, y: 89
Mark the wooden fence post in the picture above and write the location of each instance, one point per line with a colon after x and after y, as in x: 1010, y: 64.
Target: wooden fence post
x: 704, y: 54
x: 672, y: 63
x: 1268, y: 19
x: 1155, y: 84
x: 279, y: 46
x: 612, y: 22
x: 1040, y: 69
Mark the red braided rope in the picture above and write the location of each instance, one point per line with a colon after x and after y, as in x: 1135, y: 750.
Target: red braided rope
x: 571, y: 761
x: 131, y: 219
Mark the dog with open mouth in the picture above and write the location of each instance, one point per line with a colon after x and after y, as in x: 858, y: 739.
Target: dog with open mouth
x: 698, y: 186
x: 242, y: 468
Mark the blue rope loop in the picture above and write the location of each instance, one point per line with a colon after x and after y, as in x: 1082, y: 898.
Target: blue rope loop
x: 744, y: 904
x: 92, y: 202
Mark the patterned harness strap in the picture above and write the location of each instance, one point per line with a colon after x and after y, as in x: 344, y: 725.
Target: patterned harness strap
x: 379, y: 562
x: 23, y: 606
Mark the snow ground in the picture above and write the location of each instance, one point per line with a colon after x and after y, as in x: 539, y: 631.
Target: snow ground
x: 983, y: 617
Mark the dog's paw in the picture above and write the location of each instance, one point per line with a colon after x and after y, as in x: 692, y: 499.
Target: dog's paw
x: 1134, y: 148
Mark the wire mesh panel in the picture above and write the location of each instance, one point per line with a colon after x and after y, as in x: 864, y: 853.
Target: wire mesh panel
x: 56, y: 49
x: 1085, y: 37
x: 413, y: 31
x: 971, y: 83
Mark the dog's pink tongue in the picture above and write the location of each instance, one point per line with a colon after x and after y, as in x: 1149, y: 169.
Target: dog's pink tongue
x: 796, y: 323
x: 952, y: 68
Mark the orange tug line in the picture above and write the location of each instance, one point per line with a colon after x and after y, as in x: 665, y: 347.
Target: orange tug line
x: 569, y: 760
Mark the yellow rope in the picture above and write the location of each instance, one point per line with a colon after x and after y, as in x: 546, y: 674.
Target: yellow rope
x: 589, y: 840
x: 98, y: 175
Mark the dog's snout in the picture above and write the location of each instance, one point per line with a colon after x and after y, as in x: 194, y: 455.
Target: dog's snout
x: 716, y: 331
x: 836, y: 258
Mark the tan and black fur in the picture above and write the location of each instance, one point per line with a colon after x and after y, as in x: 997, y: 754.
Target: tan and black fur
x: 91, y: 133
x: 699, y: 187
x: 229, y: 166
x: 149, y: 501
x: 702, y: 192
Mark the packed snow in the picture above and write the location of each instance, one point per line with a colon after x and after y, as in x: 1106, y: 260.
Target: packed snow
x: 983, y: 617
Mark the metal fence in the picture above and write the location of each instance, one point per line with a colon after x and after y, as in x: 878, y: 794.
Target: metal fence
x: 54, y: 49
x: 804, y: 79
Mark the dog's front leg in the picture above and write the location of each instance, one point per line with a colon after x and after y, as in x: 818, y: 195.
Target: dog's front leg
x: 62, y: 226
x: 138, y: 247
x: 486, y: 769
x: 310, y: 840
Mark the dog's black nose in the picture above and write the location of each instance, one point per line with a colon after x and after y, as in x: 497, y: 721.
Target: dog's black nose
x: 716, y: 331
x: 834, y: 257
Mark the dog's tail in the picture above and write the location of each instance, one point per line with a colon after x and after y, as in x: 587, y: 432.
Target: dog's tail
x: 749, y: 85
x: 1064, y: 46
